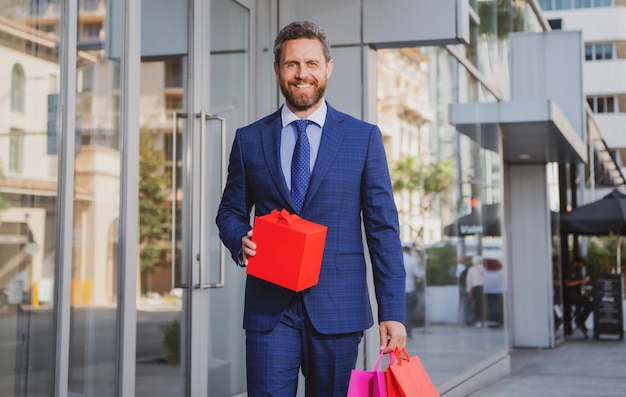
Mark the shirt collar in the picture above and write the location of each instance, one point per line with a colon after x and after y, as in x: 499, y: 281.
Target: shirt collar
x: 318, y: 116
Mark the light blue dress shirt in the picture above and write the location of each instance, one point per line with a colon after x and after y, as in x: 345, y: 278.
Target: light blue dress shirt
x: 289, y: 135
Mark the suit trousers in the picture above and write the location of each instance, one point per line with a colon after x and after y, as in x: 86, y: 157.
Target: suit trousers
x: 275, y: 358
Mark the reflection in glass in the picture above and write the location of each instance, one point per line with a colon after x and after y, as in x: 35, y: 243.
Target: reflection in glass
x: 28, y: 190
x: 94, y: 276
x: 160, y: 329
x: 448, y: 193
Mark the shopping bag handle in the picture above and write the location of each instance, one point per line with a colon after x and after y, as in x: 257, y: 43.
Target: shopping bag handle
x: 398, y: 356
x: 380, y: 356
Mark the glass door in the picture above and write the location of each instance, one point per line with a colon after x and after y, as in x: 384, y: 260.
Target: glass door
x: 194, y: 93
x: 29, y: 71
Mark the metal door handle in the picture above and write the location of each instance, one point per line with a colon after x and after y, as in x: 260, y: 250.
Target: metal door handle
x: 174, y: 195
x: 204, y: 117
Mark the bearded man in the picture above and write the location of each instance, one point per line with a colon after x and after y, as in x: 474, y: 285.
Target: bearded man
x: 345, y: 185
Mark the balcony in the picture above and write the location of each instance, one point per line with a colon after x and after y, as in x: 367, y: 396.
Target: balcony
x: 605, y: 77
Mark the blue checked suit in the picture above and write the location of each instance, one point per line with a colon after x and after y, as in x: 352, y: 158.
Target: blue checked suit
x: 350, y: 175
x: 349, y: 183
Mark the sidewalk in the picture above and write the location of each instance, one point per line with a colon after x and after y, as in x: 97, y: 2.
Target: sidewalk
x: 577, y: 368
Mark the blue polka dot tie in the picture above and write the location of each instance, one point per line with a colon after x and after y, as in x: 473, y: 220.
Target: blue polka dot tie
x: 300, y: 165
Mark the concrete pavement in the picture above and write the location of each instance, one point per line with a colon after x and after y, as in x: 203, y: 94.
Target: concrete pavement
x: 577, y: 368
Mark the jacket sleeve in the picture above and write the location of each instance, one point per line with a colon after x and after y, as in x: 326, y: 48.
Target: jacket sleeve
x: 233, y: 215
x: 380, y: 220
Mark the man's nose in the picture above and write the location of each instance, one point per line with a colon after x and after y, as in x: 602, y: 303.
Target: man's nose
x: 300, y: 71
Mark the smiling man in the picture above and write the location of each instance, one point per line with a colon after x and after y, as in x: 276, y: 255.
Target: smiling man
x: 329, y: 168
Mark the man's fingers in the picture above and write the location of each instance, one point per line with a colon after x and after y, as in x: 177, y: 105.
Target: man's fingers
x: 248, y: 247
x: 392, y: 336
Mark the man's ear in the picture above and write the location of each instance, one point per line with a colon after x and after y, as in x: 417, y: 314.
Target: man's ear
x: 276, y: 69
x: 329, y: 68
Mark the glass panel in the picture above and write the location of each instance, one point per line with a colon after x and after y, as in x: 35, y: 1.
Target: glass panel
x: 546, y: 5
x: 602, y: 3
x: 230, y: 53
x: 161, y: 330
x: 563, y: 4
x: 28, y: 190
x: 94, y: 278
x: 448, y: 193
x: 610, y: 104
x: 582, y: 4
x: 552, y: 171
x: 607, y: 50
x: 160, y: 370
x: 588, y: 52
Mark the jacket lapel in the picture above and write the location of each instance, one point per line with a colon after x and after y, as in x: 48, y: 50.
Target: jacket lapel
x: 270, y: 139
x: 332, y: 137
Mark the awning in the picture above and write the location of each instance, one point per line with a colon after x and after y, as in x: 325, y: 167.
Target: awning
x: 532, y: 132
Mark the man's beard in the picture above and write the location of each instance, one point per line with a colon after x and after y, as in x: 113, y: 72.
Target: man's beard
x: 302, y: 102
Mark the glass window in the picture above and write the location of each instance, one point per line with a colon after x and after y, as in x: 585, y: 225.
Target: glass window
x: 174, y: 73
x: 18, y: 88
x: 28, y: 192
x: 598, y: 51
x: 91, y: 31
x: 582, y: 4
x: 16, y: 150
x: 94, y: 275
x: 447, y: 189
x: 89, y: 5
x: 604, y: 51
x: 546, y: 5
x: 602, y: 104
x: 602, y: 3
x: 563, y: 4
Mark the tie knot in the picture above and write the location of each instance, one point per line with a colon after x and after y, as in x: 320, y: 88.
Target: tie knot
x: 301, y: 125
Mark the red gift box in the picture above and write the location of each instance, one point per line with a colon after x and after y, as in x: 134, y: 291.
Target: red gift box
x: 289, y: 250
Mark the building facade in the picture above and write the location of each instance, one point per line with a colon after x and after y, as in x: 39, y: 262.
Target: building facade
x: 117, y: 119
x: 605, y: 90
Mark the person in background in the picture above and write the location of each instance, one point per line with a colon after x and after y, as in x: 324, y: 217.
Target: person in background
x: 575, y: 280
x: 338, y: 178
x: 465, y: 307
x: 493, y: 289
x: 474, y: 287
x: 413, y: 273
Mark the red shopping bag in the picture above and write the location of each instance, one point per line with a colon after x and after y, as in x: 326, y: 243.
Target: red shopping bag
x: 406, y: 377
x: 368, y: 383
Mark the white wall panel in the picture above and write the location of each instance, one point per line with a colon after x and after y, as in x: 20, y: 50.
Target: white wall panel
x: 340, y: 19
x: 404, y: 23
x: 163, y: 28
x: 389, y: 23
x: 613, y: 128
x: 598, y: 24
x: 345, y: 87
x: 549, y: 66
x: 605, y: 77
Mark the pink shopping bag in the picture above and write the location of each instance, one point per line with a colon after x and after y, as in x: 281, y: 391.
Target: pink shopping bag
x: 368, y: 383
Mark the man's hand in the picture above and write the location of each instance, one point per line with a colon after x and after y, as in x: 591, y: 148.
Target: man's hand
x: 392, y: 335
x: 248, y: 247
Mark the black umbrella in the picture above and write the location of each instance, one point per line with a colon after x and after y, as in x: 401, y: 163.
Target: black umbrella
x: 485, y: 221
x: 599, y: 218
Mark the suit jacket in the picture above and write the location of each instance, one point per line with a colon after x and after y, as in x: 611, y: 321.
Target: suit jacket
x: 349, y: 183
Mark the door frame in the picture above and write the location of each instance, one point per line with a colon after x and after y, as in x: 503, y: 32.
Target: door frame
x: 196, y: 311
